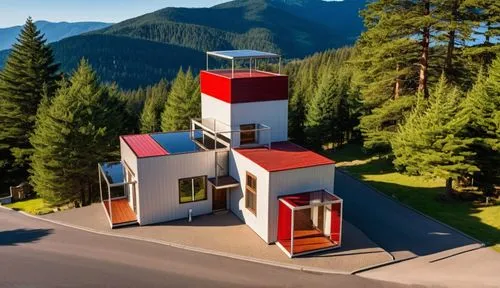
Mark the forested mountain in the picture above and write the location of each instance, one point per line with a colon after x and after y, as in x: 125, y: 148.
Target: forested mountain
x: 53, y: 31
x: 141, y: 50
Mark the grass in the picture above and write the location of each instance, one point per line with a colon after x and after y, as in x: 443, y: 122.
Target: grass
x: 422, y: 194
x: 33, y: 206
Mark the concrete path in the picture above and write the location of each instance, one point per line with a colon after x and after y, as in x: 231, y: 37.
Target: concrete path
x: 35, y: 253
x: 225, y: 233
x: 394, y: 227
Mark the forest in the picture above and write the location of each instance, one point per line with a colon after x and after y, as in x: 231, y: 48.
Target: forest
x: 421, y: 86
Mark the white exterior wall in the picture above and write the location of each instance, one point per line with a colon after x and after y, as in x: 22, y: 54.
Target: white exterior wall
x: 159, y: 185
x: 212, y: 107
x: 128, y: 156
x: 292, y: 182
x: 271, y: 113
x: 238, y: 167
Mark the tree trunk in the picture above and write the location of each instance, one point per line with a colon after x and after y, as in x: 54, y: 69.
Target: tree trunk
x: 449, y: 187
x: 451, y: 42
x: 424, y: 58
x: 90, y: 194
x: 397, y: 88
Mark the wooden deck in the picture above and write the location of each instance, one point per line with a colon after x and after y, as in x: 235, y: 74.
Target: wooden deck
x: 122, y: 214
x: 307, y: 241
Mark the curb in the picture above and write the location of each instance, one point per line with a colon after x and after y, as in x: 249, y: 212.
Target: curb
x: 410, y: 208
x: 364, y: 269
x: 191, y: 248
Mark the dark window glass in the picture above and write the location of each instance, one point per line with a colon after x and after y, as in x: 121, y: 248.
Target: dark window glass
x: 192, y: 189
x: 248, y: 137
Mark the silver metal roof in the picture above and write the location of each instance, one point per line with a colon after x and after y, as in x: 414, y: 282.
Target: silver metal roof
x: 242, y: 54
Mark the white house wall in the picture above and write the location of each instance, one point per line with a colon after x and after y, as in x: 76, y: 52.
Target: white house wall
x: 159, y: 185
x: 295, y: 181
x: 128, y: 157
x: 271, y: 113
x: 212, y: 107
x: 238, y: 167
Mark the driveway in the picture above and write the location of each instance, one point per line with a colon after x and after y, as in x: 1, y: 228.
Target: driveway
x: 35, y: 253
x: 394, y: 227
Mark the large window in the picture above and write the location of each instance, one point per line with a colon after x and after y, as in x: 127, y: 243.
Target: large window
x: 192, y: 189
x: 248, y: 134
x: 251, y: 193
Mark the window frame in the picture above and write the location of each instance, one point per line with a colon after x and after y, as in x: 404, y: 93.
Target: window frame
x: 251, y: 130
x: 193, y: 192
x: 252, y: 190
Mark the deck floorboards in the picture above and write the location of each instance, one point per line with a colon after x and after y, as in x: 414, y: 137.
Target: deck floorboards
x: 121, y: 212
x: 307, y: 240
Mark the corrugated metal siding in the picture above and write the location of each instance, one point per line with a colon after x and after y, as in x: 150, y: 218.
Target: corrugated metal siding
x: 271, y: 113
x: 159, y: 181
x: 238, y: 166
x: 295, y: 181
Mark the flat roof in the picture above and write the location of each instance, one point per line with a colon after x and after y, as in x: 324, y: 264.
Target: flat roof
x: 310, y: 198
x: 144, y: 145
x: 242, y: 54
x: 284, y: 156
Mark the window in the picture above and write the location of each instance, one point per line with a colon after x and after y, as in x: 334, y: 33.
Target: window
x: 251, y: 193
x: 192, y: 189
x: 248, y: 134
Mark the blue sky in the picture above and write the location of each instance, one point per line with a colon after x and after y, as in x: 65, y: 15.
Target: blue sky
x: 15, y: 12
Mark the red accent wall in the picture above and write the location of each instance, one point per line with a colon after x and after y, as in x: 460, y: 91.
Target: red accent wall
x: 284, y: 222
x: 245, y: 89
x: 336, y: 222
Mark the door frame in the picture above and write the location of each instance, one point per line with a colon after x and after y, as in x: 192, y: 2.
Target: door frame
x: 214, y: 190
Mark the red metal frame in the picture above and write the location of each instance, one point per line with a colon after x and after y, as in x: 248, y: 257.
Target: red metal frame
x: 289, y: 205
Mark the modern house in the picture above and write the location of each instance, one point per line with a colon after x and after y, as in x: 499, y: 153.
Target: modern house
x: 237, y: 157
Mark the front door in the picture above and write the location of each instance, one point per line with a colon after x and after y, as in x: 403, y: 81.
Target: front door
x: 219, y: 199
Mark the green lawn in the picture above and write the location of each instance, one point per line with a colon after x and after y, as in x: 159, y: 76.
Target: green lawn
x: 422, y: 194
x: 33, y: 206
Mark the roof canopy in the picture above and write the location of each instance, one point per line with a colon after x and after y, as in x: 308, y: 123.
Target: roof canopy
x: 310, y: 199
x: 243, y: 54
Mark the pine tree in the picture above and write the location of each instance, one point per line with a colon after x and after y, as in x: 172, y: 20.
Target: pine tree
x: 478, y: 121
x: 29, y: 73
x: 183, y: 102
x: 79, y: 129
x: 153, y: 107
x: 426, y: 144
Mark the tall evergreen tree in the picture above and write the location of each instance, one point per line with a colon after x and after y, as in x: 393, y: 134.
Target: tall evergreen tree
x: 153, y: 107
x: 426, y: 144
x: 29, y: 73
x: 79, y: 129
x: 183, y: 102
x: 478, y: 121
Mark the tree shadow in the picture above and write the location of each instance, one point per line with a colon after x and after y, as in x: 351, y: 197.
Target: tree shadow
x: 18, y: 236
x: 396, y: 227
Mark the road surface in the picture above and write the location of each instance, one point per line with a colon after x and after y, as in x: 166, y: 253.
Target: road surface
x: 35, y: 253
x: 394, y: 227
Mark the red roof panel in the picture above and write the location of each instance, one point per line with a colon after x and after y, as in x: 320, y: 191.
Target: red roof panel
x: 144, y: 145
x: 284, y: 156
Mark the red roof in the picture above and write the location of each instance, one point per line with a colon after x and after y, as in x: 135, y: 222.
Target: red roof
x: 144, y: 145
x: 284, y: 156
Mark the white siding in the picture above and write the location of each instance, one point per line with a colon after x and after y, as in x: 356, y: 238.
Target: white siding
x: 214, y: 108
x: 128, y: 156
x: 271, y: 113
x: 238, y: 167
x: 292, y: 182
x: 159, y: 181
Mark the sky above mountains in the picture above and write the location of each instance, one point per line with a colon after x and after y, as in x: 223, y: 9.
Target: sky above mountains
x: 15, y: 12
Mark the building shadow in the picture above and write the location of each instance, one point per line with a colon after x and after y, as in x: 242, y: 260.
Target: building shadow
x: 19, y: 236
x: 226, y: 218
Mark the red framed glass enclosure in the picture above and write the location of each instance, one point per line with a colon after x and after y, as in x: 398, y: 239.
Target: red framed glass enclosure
x: 309, y: 222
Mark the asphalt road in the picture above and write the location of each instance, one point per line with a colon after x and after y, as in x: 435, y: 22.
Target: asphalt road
x: 399, y: 230
x: 34, y: 253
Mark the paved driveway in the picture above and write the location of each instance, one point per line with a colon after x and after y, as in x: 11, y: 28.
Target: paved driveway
x: 399, y: 230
